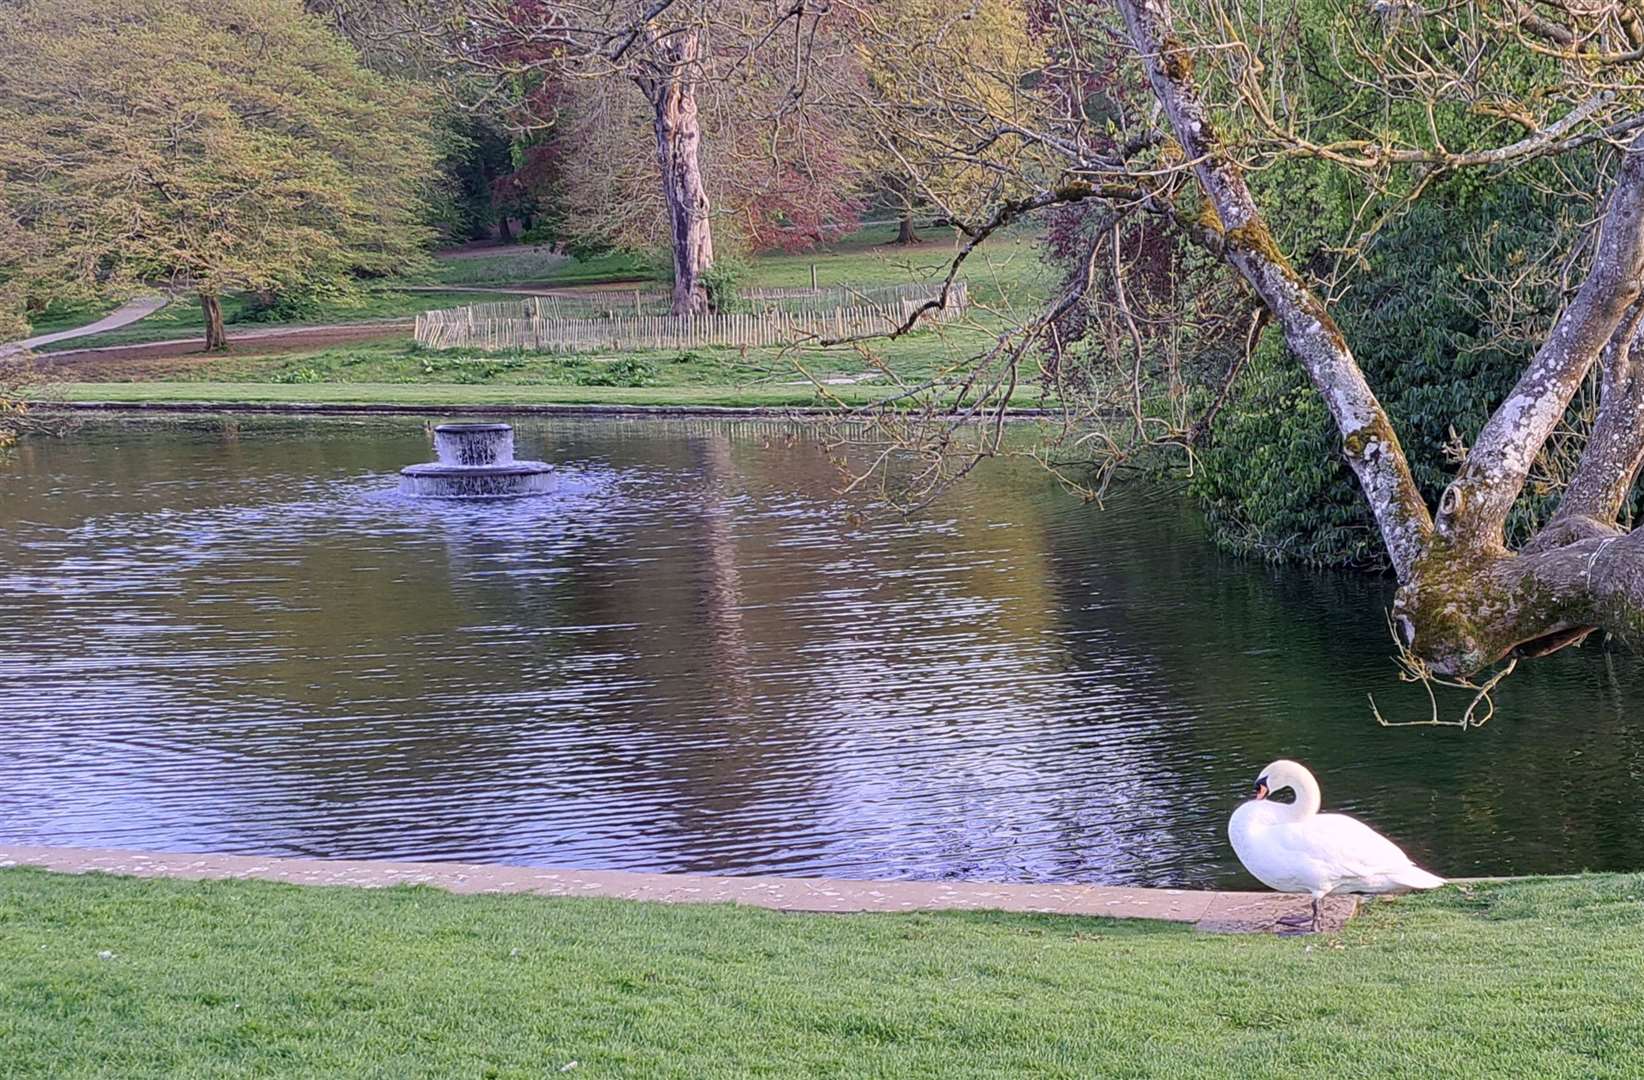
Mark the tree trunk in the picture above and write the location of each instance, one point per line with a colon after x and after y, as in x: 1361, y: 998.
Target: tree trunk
x: 678, y: 139
x: 213, y: 309
x: 1465, y: 600
x: 905, y: 233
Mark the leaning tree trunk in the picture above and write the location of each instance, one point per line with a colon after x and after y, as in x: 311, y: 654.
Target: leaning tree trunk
x: 1465, y: 598
x: 213, y: 309
x: 672, y: 93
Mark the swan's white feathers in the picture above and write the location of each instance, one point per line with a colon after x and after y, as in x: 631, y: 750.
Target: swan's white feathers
x: 1291, y: 849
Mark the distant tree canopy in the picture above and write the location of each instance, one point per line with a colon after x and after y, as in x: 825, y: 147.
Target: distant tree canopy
x: 772, y: 181
x: 926, y: 62
x: 15, y: 245
x: 208, y: 145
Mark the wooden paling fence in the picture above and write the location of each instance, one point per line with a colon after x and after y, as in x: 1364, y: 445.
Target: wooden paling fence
x: 543, y: 324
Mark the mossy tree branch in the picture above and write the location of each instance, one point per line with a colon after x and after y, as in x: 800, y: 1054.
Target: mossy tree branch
x: 1369, y: 443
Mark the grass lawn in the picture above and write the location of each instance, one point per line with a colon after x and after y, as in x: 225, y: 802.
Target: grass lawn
x: 397, y: 371
x: 1008, y: 265
x: 452, y: 394
x: 105, y: 976
x: 1003, y: 272
x: 66, y: 315
x: 521, y: 265
x: 1006, y: 274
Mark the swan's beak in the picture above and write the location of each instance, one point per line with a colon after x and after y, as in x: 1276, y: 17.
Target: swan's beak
x: 1261, y: 788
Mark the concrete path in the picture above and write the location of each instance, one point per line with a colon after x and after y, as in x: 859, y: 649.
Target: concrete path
x: 1221, y: 912
x: 131, y: 311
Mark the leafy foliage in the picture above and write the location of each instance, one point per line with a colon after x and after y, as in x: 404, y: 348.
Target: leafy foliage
x: 923, y: 61
x: 1443, y: 289
x: 723, y: 281
x: 215, y: 146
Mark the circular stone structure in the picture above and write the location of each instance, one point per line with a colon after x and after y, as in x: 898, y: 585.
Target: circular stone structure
x: 476, y: 461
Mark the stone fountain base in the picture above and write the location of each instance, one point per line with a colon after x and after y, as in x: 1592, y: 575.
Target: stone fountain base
x: 476, y: 461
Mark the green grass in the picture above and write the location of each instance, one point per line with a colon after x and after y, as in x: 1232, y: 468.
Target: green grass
x: 1004, y: 271
x: 387, y: 370
x: 1005, y: 274
x: 526, y: 264
x: 182, y: 317
x: 116, y: 977
x: 1007, y: 266
x: 230, y: 394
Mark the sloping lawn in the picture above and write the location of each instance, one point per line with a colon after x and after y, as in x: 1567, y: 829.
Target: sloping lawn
x: 1007, y: 265
x: 103, y: 976
x: 396, y: 371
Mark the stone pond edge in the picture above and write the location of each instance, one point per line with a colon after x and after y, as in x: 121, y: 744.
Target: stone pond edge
x: 1206, y: 910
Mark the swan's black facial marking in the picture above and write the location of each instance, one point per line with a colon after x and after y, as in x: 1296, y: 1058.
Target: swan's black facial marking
x: 1261, y: 788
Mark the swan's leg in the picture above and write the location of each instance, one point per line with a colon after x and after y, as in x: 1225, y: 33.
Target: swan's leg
x: 1318, y: 902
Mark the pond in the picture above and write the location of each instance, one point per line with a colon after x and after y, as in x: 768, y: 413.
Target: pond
x: 695, y: 655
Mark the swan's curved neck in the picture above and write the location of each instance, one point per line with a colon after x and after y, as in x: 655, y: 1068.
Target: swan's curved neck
x: 1307, y: 796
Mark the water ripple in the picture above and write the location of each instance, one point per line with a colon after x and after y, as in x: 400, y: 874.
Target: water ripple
x: 694, y: 655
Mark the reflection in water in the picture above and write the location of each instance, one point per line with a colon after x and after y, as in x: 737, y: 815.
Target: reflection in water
x: 692, y: 655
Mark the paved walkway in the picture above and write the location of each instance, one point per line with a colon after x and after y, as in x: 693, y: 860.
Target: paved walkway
x: 124, y: 315
x: 1221, y: 912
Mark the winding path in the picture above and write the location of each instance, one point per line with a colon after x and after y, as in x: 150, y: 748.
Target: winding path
x: 131, y: 311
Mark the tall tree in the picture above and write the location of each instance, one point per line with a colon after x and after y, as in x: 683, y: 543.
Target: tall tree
x: 670, y: 51
x: 783, y: 183
x: 15, y: 246
x: 208, y: 145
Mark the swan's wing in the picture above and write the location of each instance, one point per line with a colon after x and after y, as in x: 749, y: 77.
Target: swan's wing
x: 1348, y: 846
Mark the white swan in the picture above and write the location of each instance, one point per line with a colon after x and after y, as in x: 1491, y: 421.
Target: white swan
x: 1294, y: 848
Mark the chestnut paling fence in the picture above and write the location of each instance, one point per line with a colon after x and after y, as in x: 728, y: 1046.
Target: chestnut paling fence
x: 628, y: 321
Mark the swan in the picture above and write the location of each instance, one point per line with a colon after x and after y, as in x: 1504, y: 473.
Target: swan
x: 1293, y: 848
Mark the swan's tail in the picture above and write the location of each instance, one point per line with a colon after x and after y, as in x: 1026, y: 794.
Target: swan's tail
x: 1414, y: 877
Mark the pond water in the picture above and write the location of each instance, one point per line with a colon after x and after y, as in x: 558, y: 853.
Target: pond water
x: 695, y: 655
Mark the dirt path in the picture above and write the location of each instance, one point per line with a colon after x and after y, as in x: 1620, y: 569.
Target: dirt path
x: 147, y: 358
x: 131, y: 311
x: 152, y: 359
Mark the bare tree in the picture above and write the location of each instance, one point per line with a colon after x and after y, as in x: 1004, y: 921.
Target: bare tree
x: 668, y: 50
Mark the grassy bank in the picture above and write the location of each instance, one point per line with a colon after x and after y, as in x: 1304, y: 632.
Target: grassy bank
x: 115, y: 977
x: 397, y: 369
x: 394, y: 370
x: 1007, y: 273
x: 1007, y: 266
x: 229, y: 394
